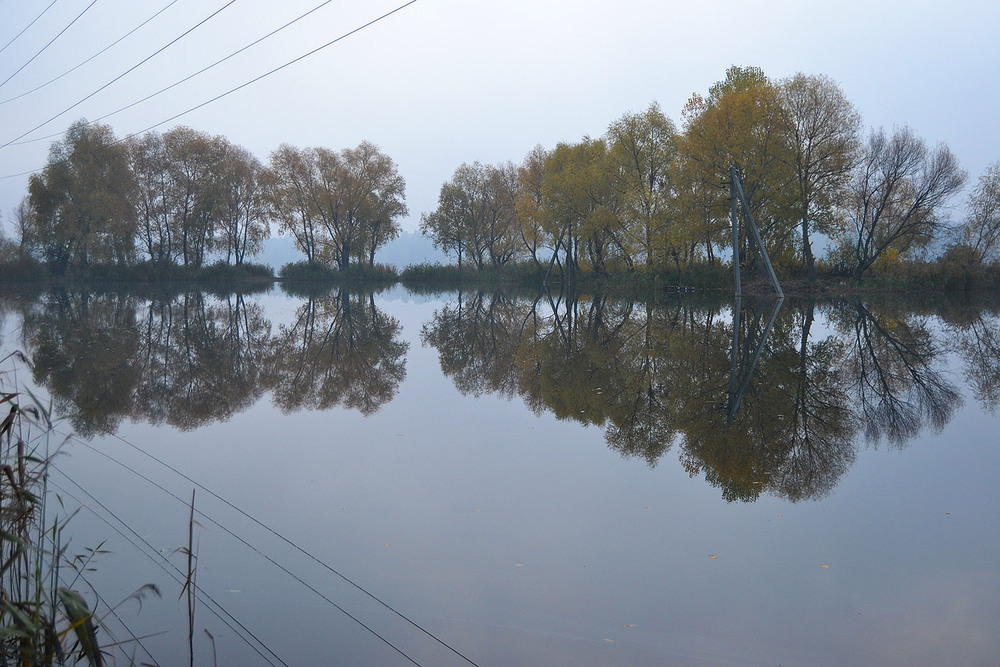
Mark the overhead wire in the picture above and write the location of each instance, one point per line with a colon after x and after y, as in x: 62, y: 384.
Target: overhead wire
x: 269, y: 73
x: 110, y: 610
x: 273, y: 532
x: 23, y: 30
x: 126, y: 72
x: 257, y: 551
x: 187, y: 78
x: 102, y: 51
x: 17, y: 140
x: 172, y: 571
x: 40, y: 51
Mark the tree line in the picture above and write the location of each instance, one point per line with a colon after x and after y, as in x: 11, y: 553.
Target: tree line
x: 649, y: 195
x: 646, y: 195
x: 185, y: 196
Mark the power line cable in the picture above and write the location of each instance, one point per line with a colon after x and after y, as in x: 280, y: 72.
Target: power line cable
x: 106, y: 48
x: 257, y: 551
x: 16, y: 140
x: 266, y: 74
x: 40, y: 51
x: 172, y: 571
x: 23, y: 173
x: 267, y: 528
x: 110, y: 610
x: 185, y: 79
x: 129, y: 70
x: 14, y: 39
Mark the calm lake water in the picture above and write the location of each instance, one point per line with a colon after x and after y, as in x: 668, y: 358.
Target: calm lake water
x: 480, y: 479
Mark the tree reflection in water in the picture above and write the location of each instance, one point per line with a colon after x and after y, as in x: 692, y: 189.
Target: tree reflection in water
x: 782, y: 416
x: 194, y: 359
x: 341, y: 350
x: 781, y: 412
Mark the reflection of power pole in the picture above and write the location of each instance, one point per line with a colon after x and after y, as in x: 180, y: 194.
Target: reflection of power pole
x: 736, y: 193
x: 746, y: 360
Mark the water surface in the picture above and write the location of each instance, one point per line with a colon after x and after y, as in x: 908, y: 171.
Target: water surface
x: 398, y: 479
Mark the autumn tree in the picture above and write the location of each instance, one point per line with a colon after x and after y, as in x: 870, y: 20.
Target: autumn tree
x: 822, y: 130
x: 338, y: 205
x: 896, y: 195
x: 981, y: 229
x: 192, y: 160
x: 582, y: 210
x: 290, y: 197
x: 476, y: 215
x: 148, y: 161
x: 643, y: 148
x: 740, y: 122
x: 241, y: 213
x: 341, y: 349
x: 23, y: 217
x: 375, y: 200
x: 893, y: 365
x: 528, y: 203
x: 82, y: 201
x: 84, y: 349
x: 978, y: 345
x: 477, y: 338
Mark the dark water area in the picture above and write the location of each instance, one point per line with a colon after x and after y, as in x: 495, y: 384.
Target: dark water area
x: 474, y: 478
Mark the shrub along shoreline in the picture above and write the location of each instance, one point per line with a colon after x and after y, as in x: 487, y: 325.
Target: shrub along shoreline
x: 951, y: 273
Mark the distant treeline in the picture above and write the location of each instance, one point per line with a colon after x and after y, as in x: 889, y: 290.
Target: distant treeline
x: 645, y: 198
x: 180, y: 198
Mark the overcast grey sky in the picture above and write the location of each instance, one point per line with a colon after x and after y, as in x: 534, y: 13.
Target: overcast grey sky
x: 442, y: 82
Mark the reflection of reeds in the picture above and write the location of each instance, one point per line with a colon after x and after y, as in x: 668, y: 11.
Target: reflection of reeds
x: 42, y: 621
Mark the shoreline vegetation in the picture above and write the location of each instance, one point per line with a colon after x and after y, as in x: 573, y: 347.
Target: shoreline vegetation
x: 952, y: 273
x: 647, y: 208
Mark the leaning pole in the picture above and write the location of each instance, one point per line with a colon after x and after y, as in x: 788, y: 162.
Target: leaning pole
x: 736, y: 193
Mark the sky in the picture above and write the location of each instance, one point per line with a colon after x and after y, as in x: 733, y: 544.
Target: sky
x: 442, y: 82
